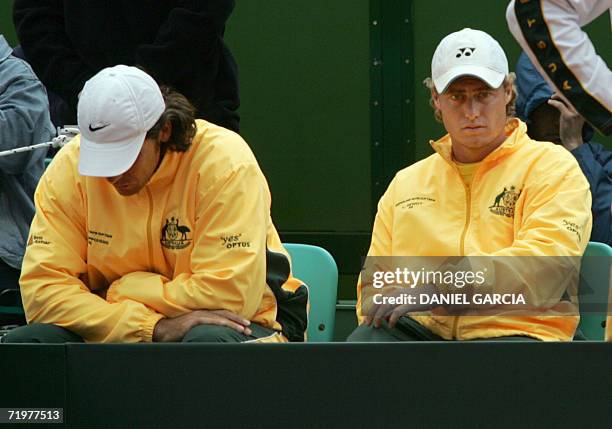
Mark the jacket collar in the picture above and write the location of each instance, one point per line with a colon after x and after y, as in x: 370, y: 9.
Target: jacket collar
x: 170, y: 165
x: 167, y: 169
x: 516, y: 131
x: 5, y: 49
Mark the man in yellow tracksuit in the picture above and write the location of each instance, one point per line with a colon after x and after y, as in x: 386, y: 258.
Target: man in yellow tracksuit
x: 154, y: 226
x: 489, y: 193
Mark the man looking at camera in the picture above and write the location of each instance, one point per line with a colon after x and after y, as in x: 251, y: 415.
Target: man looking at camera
x: 488, y: 191
x: 154, y: 226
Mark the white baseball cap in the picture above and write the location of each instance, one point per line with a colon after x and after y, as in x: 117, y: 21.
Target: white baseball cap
x: 468, y: 53
x: 116, y: 109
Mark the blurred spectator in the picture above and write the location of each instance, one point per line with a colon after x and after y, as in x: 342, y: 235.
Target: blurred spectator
x: 550, y: 32
x: 550, y: 118
x: 179, y: 42
x: 58, y: 109
x: 24, y: 121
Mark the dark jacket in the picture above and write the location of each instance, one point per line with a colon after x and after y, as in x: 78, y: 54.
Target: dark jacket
x: 596, y: 164
x: 594, y: 159
x: 178, y: 42
x: 24, y: 121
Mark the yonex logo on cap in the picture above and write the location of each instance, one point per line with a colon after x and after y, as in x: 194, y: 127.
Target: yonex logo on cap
x: 467, y: 52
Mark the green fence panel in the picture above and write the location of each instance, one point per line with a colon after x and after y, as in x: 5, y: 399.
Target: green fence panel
x: 6, y: 22
x: 304, y: 78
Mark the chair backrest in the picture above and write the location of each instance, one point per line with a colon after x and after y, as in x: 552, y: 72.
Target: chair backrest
x: 594, y: 289
x: 317, y: 268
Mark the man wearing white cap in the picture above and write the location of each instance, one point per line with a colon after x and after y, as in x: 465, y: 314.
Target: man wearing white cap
x: 488, y: 191
x: 154, y: 226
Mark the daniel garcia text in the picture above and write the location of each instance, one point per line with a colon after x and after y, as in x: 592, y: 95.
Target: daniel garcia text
x: 450, y: 299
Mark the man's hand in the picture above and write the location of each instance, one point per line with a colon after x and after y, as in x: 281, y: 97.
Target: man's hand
x: 174, y: 329
x: 391, y: 313
x: 570, y: 123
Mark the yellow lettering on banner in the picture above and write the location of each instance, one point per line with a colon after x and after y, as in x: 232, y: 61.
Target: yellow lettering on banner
x: 552, y: 67
x: 566, y: 86
x: 530, y: 22
x: 542, y: 44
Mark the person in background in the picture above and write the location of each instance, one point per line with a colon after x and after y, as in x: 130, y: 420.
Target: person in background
x: 24, y: 121
x: 550, y: 118
x: 550, y: 32
x: 58, y: 109
x: 179, y: 43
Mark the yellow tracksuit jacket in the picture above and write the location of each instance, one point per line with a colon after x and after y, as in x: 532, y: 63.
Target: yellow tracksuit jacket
x: 197, y: 236
x: 429, y: 211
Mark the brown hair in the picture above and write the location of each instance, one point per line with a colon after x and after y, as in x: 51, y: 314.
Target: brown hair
x: 510, y: 107
x: 181, y: 114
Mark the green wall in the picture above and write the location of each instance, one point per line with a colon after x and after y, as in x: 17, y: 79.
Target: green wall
x: 305, y: 112
x: 6, y: 21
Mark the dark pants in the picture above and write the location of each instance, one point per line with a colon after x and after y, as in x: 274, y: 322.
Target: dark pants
x: 10, y: 296
x: 9, y: 279
x: 47, y: 333
x: 407, y: 329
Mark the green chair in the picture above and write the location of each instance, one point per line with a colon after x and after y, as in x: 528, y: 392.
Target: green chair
x: 317, y: 268
x: 594, y: 290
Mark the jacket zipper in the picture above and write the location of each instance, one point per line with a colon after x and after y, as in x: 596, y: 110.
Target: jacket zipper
x: 468, y: 202
x: 149, y: 221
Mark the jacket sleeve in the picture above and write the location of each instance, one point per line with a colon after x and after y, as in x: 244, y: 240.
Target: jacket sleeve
x: 228, y: 260
x: 604, y: 157
x: 55, y: 263
x: 553, y: 232
x: 591, y: 165
x: 24, y: 114
x: 568, y: 61
x: 42, y: 35
x: 193, y: 28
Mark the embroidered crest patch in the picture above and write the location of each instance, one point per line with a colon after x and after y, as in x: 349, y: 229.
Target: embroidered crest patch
x: 174, y: 235
x: 505, y: 201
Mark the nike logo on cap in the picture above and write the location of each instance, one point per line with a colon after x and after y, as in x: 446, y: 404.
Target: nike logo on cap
x: 98, y: 127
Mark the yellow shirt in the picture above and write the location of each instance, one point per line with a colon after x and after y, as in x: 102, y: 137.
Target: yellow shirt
x: 467, y: 171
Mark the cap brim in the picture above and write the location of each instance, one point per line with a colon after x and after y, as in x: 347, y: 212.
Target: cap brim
x: 491, y: 77
x: 108, y: 159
